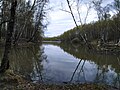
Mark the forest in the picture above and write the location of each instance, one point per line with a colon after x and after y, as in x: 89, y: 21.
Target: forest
x: 28, y: 20
x: 20, y: 22
x: 31, y: 61
x: 104, y: 32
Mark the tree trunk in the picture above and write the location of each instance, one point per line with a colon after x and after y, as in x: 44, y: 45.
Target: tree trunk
x: 25, y: 23
x: 84, y: 39
x: 10, y: 28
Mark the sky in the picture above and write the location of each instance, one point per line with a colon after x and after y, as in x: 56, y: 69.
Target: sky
x: 61, y: 21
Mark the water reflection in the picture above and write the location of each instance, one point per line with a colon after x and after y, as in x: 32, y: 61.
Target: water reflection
x: 87, y: 66
x: 64, y: 63
x: 27, y: 61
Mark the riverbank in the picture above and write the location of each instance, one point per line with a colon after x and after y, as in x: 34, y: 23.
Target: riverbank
x: 11, y: 81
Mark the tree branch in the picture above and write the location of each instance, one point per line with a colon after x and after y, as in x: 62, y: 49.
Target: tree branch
x: 65, y: 10
x: 4, y: 22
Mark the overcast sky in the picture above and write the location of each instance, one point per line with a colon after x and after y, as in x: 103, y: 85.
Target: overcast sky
x: 61, y: 21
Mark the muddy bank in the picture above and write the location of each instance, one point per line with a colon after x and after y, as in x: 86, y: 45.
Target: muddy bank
x: 11, y: 81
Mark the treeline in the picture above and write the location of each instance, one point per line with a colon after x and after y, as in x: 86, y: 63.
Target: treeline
x: 51, y: 39
x: 105, y: 30
x: 28, y: 20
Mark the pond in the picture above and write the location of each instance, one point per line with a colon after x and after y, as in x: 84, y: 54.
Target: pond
x: 64, y: 63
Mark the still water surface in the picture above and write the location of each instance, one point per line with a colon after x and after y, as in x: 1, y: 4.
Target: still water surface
x: 64, y: 63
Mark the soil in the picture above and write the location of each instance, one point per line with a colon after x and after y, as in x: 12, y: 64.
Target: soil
x: 11, y: 81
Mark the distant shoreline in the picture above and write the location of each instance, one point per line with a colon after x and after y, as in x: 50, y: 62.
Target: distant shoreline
x: 51, y: 41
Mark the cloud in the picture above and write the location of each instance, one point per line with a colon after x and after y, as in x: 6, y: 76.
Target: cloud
x: 58, y: 27
x: 61, y: 21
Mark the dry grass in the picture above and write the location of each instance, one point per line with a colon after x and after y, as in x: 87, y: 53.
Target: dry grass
x: 11, y: 81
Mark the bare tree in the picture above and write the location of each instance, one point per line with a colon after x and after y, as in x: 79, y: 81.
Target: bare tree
x: 5, y: 60
x: 25, y: 23
x: 39, y: 17
x: 84, y: 38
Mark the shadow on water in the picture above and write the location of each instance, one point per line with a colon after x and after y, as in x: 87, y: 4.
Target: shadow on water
x: 64, y: 63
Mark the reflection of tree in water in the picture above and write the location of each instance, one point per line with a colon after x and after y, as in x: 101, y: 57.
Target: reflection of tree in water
x: 108, y: 71
x: 27, y: 61
x: 83, y: 53
x: 106, y: 74
x: 81, y: 70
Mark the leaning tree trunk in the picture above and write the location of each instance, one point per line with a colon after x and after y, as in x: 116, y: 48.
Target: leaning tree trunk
x: 10, y: 28
x: 84, y: 39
